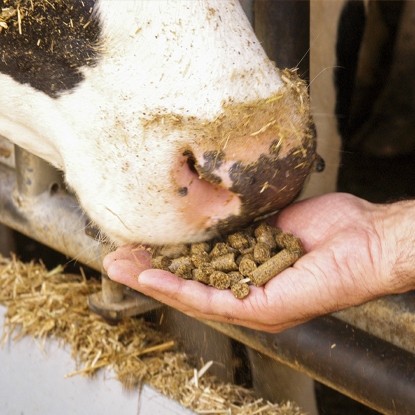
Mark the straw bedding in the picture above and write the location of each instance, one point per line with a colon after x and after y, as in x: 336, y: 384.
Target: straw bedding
x: 51, y: 304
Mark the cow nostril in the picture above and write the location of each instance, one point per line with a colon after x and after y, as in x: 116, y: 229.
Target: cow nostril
x: 206, y: 168
x: 191, y: 162
x: 319, y: 164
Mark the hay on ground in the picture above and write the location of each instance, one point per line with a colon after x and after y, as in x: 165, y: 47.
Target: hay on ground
x: 51, y: 304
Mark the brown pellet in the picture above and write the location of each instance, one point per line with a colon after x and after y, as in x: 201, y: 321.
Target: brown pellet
x: 289, y: 241
x: 219, y: 280
x: 238, y: 241
x: 247, y: 266
x: 199, y: 248
x: 201, y: 275
x: 235, y: 276
x: 247, y: 250
x: 180, y: 262
x: 250, y: 248
x: 247, y: 257
x: 262, y: 252
x: 203, y: 272
x: 220, y: 248
x: 200, y: 258
x: 207, y: 267
x: 174, y: 251
x: 184, y: 271
x: 265, y: 233
x: 161, y: 262
x: 224, y: 262
x: 240, y: 290
x: 273, y: 266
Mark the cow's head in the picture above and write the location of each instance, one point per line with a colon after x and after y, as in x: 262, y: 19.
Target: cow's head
x: 170, y: 122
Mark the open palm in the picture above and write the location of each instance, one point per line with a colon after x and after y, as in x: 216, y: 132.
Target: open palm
x: 345, y: 265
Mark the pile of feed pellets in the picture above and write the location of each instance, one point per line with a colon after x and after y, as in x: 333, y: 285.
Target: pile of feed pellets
x: 252, y: 256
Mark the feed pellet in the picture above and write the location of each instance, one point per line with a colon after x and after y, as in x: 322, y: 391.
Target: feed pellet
x: 249, y: 257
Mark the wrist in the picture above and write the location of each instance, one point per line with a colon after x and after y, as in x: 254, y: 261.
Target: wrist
x: 397, y: 239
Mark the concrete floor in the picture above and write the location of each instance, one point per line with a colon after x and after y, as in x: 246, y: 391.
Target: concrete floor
x: 33, y: 382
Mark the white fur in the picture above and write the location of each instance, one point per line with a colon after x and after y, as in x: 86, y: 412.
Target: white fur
x: 167, y: 57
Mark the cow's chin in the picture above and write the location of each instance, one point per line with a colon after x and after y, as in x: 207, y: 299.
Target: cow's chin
x: 164, y: 234
x: 182, y: 222
x: 184, y: 225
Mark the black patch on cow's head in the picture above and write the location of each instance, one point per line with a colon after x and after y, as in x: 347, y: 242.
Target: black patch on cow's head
x: 46, y: 42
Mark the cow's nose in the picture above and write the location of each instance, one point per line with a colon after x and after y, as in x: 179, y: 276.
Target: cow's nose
x: 228, y: 190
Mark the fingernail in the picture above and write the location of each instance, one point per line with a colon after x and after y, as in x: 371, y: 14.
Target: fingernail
x: 143, y: 278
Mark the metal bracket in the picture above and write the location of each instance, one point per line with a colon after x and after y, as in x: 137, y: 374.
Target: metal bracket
x: 115, y: 301
x: 130, y: 304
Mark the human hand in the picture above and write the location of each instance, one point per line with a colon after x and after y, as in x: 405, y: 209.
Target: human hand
x: 356, y: 251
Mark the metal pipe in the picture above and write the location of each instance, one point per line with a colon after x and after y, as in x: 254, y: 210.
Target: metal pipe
x: 34, y: 175
x: 53, y: 218
x: 283, y: 28
x: 343, y: 357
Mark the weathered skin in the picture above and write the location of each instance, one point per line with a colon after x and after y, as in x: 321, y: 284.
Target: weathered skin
x: 170, y: 122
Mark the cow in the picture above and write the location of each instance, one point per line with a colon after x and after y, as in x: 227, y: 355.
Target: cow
x: 168, y: 119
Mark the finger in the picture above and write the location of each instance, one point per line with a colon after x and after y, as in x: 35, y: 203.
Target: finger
x: 190, y: 297
x: 208, y: 303
x: 201, y: 301
x: 125, y: 271
x: 124, y: 266
x: 128, y: 252
x: 120, y: 253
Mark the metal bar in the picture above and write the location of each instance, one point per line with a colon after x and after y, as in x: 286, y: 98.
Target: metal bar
x: 390, y: 318
x: 34, y: 175
x: 52, y: 218
x: 283, y: 28
x: 343, y: 357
